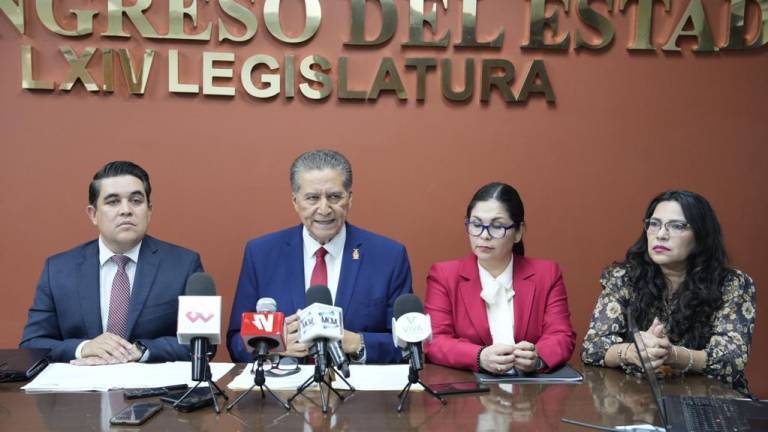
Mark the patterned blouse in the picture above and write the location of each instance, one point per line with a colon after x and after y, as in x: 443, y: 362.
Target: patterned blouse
x: 732, y: 325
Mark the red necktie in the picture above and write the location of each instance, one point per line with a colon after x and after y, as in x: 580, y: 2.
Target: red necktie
x: 320, y: 272
x: 117, y: 320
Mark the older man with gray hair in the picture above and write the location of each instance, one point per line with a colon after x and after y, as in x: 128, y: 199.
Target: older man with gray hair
x: 364, y: 272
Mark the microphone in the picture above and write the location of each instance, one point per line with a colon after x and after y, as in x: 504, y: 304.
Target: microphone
x: 410, y: 327
x: 199, y: 321
x: 339, y: 358
x: 320, y: 323
x: 263, y: 331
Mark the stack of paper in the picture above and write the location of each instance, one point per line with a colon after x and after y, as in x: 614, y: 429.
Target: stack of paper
x: 64, y: 377
x: 380, y: 377
x: 244, y: 381
x: 362, y: 377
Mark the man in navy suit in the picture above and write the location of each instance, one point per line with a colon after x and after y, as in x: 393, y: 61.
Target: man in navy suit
x: 365, y: 272
x: 113, y: 299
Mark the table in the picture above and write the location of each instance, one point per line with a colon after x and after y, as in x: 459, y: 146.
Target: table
x: 606, y: 397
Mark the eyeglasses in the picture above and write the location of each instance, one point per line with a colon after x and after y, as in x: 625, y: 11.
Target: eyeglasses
x: 284, y: 366
x: 476, y: 228
x: 673, y: 227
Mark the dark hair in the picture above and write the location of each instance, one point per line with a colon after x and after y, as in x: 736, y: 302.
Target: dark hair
x: 509, y: 198
x: 116, y: 169
x: 700, y: 294
x: 321, y: 160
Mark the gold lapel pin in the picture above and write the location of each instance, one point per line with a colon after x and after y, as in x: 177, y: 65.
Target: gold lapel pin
x: 355, y: 254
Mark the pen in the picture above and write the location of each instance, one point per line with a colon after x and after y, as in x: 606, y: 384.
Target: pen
x: 176, y: 387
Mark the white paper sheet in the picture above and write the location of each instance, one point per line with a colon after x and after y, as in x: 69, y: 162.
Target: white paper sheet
x: 64, y: 377
x: 244, y: 381
x: 380, y: 377
x: 362, y: 377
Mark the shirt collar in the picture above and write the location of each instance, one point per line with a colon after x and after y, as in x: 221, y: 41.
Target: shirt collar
x: 334, y: 247
x: 105, y: 253
x: 491, y: 284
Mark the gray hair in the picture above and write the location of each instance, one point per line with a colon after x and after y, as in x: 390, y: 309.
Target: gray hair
x: 321, y: 160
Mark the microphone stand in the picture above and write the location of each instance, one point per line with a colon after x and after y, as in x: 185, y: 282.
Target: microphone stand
x: 259, y: 380
x: 321, y: 362
x: 413, y: 378
x: 201, y: 350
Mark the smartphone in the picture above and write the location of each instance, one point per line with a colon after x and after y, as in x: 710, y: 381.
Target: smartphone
x: 136, y: 414
x: 151, y: 392
x: 459, y: 388
x: 198, y: 398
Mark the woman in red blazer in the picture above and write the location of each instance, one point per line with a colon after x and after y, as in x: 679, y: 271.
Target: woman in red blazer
x: 496, y: 309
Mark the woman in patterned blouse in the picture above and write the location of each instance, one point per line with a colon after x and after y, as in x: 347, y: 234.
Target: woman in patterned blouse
x: 699, y: 313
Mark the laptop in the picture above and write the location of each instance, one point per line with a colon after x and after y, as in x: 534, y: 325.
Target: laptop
x: 21, y: 364
x: 700, y: 413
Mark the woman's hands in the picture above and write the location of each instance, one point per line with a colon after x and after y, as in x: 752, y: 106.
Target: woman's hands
x: 500, y: 358
x: 657, y: 346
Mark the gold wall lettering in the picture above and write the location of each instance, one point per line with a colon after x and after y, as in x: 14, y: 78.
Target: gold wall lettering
x: 357, y: 25
x: 77, y: 69
x: 84, y: 20
x: 698, y: 18
x: 540, y: 21
x: 417, y: 21
x: 311, y: 24
x: 643, y: 22
x: 270, y: 82
x: 603, y: 25
x: 469, y: 28
x: 422, y: 66
x: 28, y: 80
x: 210, y: 73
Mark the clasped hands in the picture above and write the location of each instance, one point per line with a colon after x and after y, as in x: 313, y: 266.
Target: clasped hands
x: 350, y: 342
x: 107, y: 348
x: 657, y: 345
x: 500, y: 358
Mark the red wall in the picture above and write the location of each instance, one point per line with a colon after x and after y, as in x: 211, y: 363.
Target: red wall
x: 625, y: 127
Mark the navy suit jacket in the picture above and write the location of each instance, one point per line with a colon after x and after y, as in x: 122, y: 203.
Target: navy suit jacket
x: 66, y: 309
x: 370, y: 281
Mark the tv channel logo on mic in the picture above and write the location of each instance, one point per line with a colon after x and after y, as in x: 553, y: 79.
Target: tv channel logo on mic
x: 320, y: 321
x: 411, y: 328
x: 199, y: 316
x: 256, y: 323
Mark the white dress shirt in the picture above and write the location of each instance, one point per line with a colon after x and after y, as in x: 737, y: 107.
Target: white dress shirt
x: 498, y: 295
x: 107, y: 271
x: 333, y: 258
x: 335, y: 249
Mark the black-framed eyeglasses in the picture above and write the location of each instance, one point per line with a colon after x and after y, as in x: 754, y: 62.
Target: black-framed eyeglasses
x: 284, y: 366
x: 673, y: 227
x: 497, y: 231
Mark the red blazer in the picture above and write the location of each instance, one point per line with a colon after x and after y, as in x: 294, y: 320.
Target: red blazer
x: 460, y: 321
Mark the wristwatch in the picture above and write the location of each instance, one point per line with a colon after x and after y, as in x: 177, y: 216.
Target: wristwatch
x: 360, y: 354
x: 141, y: 347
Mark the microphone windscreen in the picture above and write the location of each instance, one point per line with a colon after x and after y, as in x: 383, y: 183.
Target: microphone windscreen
x: 407, y: 303
x: 318, y: 294
x: 266, y: 304
x: 200, y: 284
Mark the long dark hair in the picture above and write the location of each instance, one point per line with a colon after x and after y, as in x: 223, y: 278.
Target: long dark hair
x: 509, y: 198
x: 700, y: 294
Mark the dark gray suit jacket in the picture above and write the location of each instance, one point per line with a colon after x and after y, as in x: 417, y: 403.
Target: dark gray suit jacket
x: 66, y: 309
